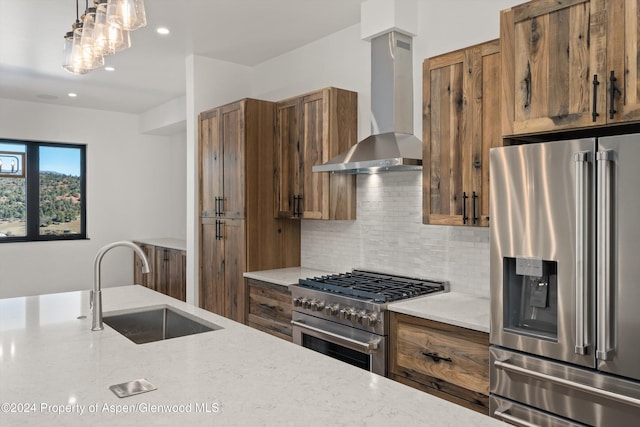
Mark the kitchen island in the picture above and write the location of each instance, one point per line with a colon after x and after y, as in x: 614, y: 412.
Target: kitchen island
x: 55, y: 371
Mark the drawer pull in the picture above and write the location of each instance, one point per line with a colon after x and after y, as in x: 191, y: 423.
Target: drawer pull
x: 437, y: 358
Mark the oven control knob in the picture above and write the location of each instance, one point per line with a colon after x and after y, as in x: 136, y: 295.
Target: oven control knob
x: 370, y: 319
x: 360, y: 315
x: 347, y: 313
x: 317, y: 305
x: 332, y: 309
x: 306, y: 303
x: 297, y: 302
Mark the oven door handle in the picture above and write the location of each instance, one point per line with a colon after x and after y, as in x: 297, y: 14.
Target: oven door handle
x: 368, y: 347
x: 504, y: 416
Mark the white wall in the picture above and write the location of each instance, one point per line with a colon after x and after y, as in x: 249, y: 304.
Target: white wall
x: 135, y: 189
x: 388, y: 234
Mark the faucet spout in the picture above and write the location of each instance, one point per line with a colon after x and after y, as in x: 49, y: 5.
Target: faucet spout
x: 96, y: 293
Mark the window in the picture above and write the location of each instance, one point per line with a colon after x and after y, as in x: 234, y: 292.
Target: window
x: 42, y: 191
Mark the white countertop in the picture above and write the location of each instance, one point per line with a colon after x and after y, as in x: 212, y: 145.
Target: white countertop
x: 234, y: 376
x: 285, y: 276
x: 165, y: 242
x: 454, y: 308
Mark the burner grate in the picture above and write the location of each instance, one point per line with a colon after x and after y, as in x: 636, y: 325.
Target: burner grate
x: 377, y: 287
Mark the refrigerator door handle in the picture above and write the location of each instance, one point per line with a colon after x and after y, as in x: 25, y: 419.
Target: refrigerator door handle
x: 604, y: 346
x: 581, y: 159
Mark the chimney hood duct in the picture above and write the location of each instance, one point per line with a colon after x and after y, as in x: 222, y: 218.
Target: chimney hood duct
x: 392, y: 145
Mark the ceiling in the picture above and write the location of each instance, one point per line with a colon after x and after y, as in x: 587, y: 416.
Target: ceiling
x: 152, y: 71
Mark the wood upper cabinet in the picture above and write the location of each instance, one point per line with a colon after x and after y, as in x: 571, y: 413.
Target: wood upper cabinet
x: 222, y: 192
x: 441, y: 359
x: 569, y: 64
x: 238, y: 232
x: 461, y: 122
x: 311, y: 129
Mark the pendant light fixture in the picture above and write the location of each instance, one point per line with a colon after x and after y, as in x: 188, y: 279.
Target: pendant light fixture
x: 102, y: 30
x: 128, y: 15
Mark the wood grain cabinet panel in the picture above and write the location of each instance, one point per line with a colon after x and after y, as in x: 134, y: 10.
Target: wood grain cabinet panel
x: 311, y: 129
x: 569, y: 64
x: 461, y: 124
x: 238, y: 232
x: 444, y: 360
x: 269, y: 308
x: 168, y: 270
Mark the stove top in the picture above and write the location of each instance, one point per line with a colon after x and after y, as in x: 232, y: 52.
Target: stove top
x: 375, y: 287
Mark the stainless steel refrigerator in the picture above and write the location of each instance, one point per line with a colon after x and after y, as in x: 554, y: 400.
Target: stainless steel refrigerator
x: 565, y: 282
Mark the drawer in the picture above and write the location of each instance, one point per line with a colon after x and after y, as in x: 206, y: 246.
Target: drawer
x: 446, y: 358
x: 269, y: 308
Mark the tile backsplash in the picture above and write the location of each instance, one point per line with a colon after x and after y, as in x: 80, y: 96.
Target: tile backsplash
x: 388, y: 236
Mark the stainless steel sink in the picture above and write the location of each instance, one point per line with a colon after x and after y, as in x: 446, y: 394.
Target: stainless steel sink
x: 157, y: 323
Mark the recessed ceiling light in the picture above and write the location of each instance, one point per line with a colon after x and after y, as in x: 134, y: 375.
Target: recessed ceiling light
x: 72, y: 95
x: 109, y: 69
x: 162, y: 30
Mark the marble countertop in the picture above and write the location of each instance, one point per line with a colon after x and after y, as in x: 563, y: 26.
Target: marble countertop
x: 285, y: 276
x: 165, y: 242
x: 55, y: 371
x: 454, y: 308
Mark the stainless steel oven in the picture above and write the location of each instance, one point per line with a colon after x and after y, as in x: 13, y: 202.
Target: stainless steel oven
x: 359, y: 348
x: 344, y: 315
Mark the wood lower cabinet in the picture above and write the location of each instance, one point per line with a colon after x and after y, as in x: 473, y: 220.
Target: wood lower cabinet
x: 269, y: 308
x: 311, y: 129
x: 444, y: 360
x: 461, y: 124
x: 168, y: 270
x: 238, y: 231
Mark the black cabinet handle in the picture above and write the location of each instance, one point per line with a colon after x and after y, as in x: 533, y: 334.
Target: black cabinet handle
x: 594, y: 113
x: 437, y: 358
x: 612, y: 93
x: 465, y: 217
x: 474, y: 198
x: 218, y: 230
x: 299, y: 204
x: 297, y: 210
x: 217, y: 206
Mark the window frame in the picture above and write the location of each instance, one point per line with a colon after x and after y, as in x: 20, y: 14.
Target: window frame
x: 32, y: 167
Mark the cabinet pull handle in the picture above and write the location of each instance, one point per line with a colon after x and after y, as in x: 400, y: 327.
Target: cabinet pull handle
x: 297, y: 210
x: 218, y: 230
x: 474, y: 198
x: 527, y: 82
x: 594, y: 113
x: 221, y: 206
x: 612, y: 93
x: 465, y: 217
x: 217, y: 206
x: 299, y: 204
x: 436, y: 358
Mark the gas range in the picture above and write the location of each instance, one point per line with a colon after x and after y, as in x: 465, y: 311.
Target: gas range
x: 358, y: 298
x: 344, y: 315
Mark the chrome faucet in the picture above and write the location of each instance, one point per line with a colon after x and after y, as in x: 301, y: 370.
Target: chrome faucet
x: 96, y: 293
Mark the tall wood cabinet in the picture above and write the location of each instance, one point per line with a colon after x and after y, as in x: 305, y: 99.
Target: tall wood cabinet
x: 461, y: 122
x: 569, y: 64
x: 311, y: 129
x: 238, y: 232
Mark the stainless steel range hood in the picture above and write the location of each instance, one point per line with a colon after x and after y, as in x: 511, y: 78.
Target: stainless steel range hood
x: 392, y: 145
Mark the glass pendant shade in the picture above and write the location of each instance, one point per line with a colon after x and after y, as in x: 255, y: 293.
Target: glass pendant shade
x: 91, y: 55
x: 128, y: 15
x: 68, y: 60
x: 108, y: 39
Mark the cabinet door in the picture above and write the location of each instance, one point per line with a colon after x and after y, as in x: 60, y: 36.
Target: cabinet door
x: 462, y: 101
x: 212, y: 292
x: 233, y: 154
x: 443, y: 139
x: 232, y: 234
x: 175, y: 261
x: 269, y: 308
x: 160, y: 263
x: 623, y: 33
x: 144, y: 279
x: 550, y: 52
x: 288, y: 158
x: 210, y: 170
x: 315, y: 149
